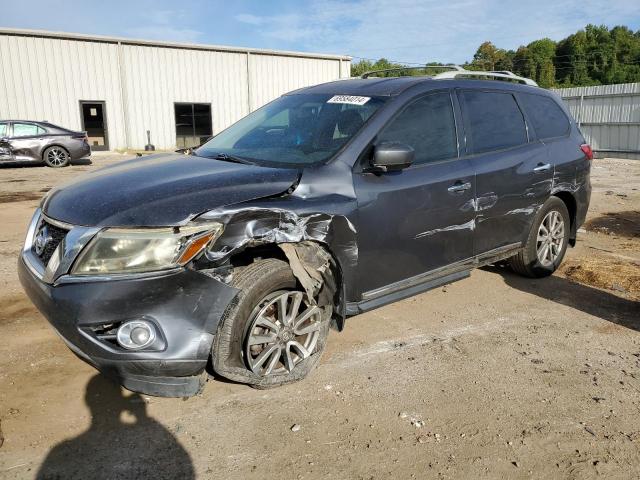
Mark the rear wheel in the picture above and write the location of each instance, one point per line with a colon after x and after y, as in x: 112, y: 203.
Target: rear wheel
x: 274, y: 334
x: 56, y: 157
x: 547, y: 242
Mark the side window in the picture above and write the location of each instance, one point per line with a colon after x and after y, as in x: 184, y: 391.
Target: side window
x: 547, y: 117
x: 495, y: 120
x: 26, y: 129
x: 3, y: 130
x: 427, y: 125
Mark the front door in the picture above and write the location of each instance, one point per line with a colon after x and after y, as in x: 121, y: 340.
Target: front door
x: 5, y: 147
x: 417, y: 220
x: 513, y: 175
x: 94, y: 122
x: 26, y: 141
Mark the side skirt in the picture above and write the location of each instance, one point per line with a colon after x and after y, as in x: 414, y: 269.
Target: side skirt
x: 428, y: 280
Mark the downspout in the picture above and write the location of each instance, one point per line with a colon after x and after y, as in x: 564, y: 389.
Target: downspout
x: 123, y: 96
x: 580, y: 111
x: 249, y: 89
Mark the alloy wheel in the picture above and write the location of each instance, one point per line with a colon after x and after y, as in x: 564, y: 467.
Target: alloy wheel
x: 283, y: 330
x: 57, y: 157
x: 550, y: 238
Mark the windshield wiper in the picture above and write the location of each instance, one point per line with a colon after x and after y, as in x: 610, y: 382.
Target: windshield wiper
x: 231, y: 158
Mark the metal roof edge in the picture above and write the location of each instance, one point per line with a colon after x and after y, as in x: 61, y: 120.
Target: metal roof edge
x: 163, y: 44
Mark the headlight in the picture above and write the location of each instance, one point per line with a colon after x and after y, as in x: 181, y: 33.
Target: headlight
x: 123, y: 250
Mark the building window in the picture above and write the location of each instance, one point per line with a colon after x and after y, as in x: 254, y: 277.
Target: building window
x: 193, y: 124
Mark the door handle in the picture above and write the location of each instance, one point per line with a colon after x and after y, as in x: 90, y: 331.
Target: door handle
x: 542, y: 167
x: 459, y: 187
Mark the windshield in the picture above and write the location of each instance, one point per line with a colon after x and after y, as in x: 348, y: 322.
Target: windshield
x: 294, y: 130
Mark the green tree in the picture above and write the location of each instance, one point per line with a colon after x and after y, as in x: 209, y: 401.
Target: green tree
x: 486, y: 57
x: 523, y: 63
x: 542, y: 53
x: 570, y: 61
x: 592, y: 56
x: 364, y: 66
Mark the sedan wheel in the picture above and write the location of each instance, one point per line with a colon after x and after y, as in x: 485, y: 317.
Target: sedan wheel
x: 56, y: 157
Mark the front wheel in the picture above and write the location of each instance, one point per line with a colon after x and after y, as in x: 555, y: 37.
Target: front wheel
x: 273, y: 334
x: 547, y: 241
x: 56, y: 157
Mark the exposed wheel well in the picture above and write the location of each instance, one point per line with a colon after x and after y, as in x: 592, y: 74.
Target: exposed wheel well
x: 570, y: 202
x: 272, y: 250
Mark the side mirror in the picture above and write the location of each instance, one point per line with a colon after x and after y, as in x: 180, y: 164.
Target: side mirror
x: 390, y: 156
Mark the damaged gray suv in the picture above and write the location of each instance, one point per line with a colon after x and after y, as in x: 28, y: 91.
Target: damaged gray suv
x: 330, y: 201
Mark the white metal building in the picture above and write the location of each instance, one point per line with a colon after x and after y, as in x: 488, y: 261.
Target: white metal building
x: 118, y: 88
x: 609, y: 117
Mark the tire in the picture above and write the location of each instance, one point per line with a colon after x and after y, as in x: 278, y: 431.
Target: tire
x: 233, y: 357
x: 56, y: 157
x: 528, y: 262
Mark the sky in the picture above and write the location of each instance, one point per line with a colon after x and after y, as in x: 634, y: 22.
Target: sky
x: 407, y: 31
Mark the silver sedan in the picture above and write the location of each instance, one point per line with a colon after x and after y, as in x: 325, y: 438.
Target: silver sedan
x: 29, y: 141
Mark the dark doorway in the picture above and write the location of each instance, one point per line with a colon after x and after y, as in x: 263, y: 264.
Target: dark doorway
x: 193, y: 124
x: 94, y: 122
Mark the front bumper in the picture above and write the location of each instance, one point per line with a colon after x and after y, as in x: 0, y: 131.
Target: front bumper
x: 185, y: 305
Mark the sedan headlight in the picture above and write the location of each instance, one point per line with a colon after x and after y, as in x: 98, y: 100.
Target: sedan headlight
x: 124, y: 250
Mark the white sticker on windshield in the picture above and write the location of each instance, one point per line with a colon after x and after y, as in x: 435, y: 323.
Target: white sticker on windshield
x: 349, y: 99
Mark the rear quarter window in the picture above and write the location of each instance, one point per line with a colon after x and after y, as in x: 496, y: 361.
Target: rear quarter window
x: 545, y: 114
x: 494, y: 120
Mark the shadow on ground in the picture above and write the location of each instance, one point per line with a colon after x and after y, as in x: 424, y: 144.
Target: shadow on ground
x: 592, y: 301
x: 626, y: 224
x: 34, y: 164
x: 114, y: 447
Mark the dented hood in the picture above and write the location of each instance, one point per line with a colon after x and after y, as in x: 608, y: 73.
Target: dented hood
x: 162, y: 190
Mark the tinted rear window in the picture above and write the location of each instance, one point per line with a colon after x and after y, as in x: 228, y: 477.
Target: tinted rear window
x: 547, y: 117
x: 494, y: 119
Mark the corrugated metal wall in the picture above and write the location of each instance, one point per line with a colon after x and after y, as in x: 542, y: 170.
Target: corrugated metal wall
x: 45, y: 75
x: 609, y: 117
x: 45, y: 79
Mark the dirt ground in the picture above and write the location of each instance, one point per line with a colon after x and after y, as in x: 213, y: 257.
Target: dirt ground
x: 495, y: 376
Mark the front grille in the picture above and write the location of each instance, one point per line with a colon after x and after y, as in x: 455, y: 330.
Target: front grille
x: 107, y: 333
x: 51, y: 235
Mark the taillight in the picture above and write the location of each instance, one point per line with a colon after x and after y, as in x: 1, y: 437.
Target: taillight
x: 81, y: 136
x: 586, y: 149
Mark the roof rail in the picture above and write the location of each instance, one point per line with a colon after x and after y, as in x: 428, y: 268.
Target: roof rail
x: 372, y: 73
x: 456, y: 71
x: 505, y: 74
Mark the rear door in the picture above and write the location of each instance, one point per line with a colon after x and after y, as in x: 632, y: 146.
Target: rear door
x: 5, y: 147
x: 553, y: 128
x: 419, y: 219
x: 513, y: 171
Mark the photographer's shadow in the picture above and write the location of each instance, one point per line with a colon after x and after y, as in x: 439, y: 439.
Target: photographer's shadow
x: 115, y: 449
x: 590, y: 300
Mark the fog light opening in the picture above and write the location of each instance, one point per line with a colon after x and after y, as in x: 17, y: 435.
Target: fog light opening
x: 136, y: 334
